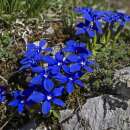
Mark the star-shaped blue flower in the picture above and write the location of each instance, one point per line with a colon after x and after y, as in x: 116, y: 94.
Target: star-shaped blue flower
x: 47, y: 97
x: 77, y: 48
x: 70, y: 79
x: 18, y: 100
x: 55, y: 63
x: 33, y: 55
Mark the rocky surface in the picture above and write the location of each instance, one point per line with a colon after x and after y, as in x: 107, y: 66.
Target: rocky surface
x: 122, y: 78
x: 105, y: 112
x: 121, y: 83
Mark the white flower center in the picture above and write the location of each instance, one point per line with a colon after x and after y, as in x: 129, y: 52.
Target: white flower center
x: 59, y: 63
x: 82, y: 63
x: 49, y: 97
x: 36, y: 43
x: 45, y: 75
x: 64, y: 59
x: 22, y: 101
x: 70, y: 79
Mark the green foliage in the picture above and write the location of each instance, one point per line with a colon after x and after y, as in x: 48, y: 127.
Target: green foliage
x: 55, y: 114
x: 5, y: 43
x: 34, y: 7
x: 9, y: 6
x: 5, y: 39
x: 108, y: 59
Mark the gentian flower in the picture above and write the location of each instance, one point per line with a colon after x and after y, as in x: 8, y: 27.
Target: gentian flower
x: 33, y: 55
x: 18, y: 100
x: 70, y: 80
x: 64, y: 69
x: 123, y: 18
x: 92, y: 22
x: 2, y: 94
x: 77, y: 48
x: 47, y: 97
x: 95, y: 19
x: 43, y: 77
x: 82, y: 64
x: 55, y: 63
x: 79, y: 57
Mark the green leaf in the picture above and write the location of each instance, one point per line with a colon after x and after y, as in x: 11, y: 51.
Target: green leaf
x: 55, y: 113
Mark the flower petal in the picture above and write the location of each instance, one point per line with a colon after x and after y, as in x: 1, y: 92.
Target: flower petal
x: 49, y: 60
x: 73, y: 58
x: 59, y: 56
x: 66, y: 69
x: 36, y: 97
x: 70, y: 87
x: 87, y: 16
x: 48, y: 84
x: 88, y: 69
x: 37, y: 69
x: 46, y: 106
x: 42, y: 43
x: 80, y: 31
x: 54, y: 69
x: 91, y: 32
x: 75, y: 67
x: 36, y: 80
x: 79, y: 82
x: 61, y: 78
x: 68, y: 49
x: 58, y: 102
x: 71, y: 43
x: 20, y: 107
x: 48, y: 49
x: 98, y: 27
x: 58, y: 91
x: 14, y: 103
x: 27, y: 66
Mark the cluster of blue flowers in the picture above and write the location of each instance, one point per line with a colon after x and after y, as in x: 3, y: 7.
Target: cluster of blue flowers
x: 94, y: 20
x: 59, y: 74
x: 53, y: 75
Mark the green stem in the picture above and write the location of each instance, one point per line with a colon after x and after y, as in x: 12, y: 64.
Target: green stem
x: 94, y: 45
x: 108, y: 37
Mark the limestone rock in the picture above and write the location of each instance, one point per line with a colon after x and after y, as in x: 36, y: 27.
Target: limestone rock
x: 122, y: 77
x: 100, y: 113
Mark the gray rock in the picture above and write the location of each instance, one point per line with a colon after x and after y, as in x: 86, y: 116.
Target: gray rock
x: 121, y: 82
x: 122, y: 78
x: 72, y: 122
x: 100, y: 113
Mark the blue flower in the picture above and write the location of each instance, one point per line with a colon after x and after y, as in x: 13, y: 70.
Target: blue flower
x: 122, y: 18
x: 92, y: 24
x: 70, y: 80
x: 63, y: 69
x: 77, y: 48
x: 94, y: 20
x: 2, y: 94
x: 55, y: 63
x: 33, y: 55
x: 83, y: 64
x: 18, y: 100
x: 43, y: 77
x: 47, y: 97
